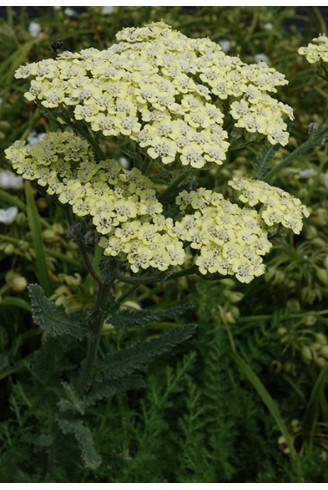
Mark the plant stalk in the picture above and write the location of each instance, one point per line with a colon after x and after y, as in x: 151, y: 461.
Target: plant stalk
x: 95, y: 327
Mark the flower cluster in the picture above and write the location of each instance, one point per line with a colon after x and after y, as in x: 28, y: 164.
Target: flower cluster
x: 317, y: 50
x: 230, y: 239
x: 163, y: 90
x: 276, y: 205
x: 121, y: 203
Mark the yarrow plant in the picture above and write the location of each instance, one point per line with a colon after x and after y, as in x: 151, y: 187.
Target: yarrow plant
x: 180, y: 104
x: 317, y: 50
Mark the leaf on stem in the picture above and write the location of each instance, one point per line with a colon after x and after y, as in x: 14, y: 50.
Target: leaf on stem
x: 51, y: 317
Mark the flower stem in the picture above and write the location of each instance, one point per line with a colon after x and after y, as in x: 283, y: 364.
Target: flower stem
x: 95, y: 328
x: 307, y: 145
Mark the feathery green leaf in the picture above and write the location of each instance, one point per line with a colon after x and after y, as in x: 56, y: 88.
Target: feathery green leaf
x: 51, y: 317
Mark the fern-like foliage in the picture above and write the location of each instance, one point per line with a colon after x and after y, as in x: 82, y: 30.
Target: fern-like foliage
x: 51, y: 317
x: 106, y: 390
x: 264, y: 159
x: 141, y: 318
x: 71, y: 402
x: 127, y: 361
x: 84, y: 438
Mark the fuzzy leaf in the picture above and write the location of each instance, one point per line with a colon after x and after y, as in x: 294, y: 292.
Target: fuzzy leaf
x: 126, y: 361
x: 84, y: 438
x: 113, y: 386
x: 141, y: 318
x: 264, y: 159
x: 51, y: 317
x: 72, y: 402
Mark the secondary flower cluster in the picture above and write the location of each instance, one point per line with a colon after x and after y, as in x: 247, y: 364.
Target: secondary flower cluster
x: 163, y: 90
x: 123, y: 206
x: 230, y: 239
x: 276, y: 205
x: 316, y: 50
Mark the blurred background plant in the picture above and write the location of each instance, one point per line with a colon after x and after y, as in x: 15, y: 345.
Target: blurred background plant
x: 245, y: 399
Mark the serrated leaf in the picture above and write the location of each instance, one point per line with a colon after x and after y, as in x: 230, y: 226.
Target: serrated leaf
x: 264, y: 159
x: 72, y: 402
x: 51, y: 317
x: 108, y: 389
x: 85, y: 440
x: 126, y: 361
x: 141, y: 318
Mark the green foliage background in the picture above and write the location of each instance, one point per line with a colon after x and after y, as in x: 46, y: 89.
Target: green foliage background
x: 243, y: 400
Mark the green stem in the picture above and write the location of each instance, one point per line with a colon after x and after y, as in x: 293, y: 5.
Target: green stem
x: 95, y: 328
x: 83, y: 131
x: 173, y: 186
x: 307, y: 145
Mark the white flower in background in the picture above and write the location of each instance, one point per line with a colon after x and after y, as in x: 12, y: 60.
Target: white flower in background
x: 124, y: 162
x: 261, y: 57
x: 9, y: 180
x: 268, y: 26
x: 8, y: 215
x: 1, y: 101
x: 69, y: 12
x: 325, y: 178
x: 307, y: 173
x: 34, y: 29
x: 225, y: 45
x: 107, y: 10
x: 34, y: 137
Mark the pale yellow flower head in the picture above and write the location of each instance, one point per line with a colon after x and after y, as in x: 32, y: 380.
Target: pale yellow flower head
x: 316, y: 50
x: 169, y: 93
x: 275, y: 205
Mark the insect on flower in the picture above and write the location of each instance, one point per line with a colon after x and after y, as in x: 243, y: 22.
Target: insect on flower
x: 57, y: 45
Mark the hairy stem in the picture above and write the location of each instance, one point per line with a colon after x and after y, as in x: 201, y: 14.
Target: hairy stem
x: 307, y: 145
x: 173, y: 186
x: 95, y: 327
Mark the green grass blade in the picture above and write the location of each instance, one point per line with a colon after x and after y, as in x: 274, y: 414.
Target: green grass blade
x: 20, y: 303
x: 312, y: 409
x: 13, y: 200
x: 35, y: 227
x: 248, y: 372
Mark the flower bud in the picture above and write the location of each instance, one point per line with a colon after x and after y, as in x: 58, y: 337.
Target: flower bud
x: 294, y: 305
x: 319, y: 217
x: 282, y: 331
x: 42, y: 203
x: 310, y: 320
x: 15, y: 281
x: 307, y: 354
x: 49, y: 236
x: 9, y: 248
x: 289, y: 367
x: 296, y: 426
x: 233, y: 296
x: 310, y: 231
x: 322, y: 275
x: 18, y: 284
x: 319, y: 242
x: 283, y: 446
x: 321, y: 338
x: 21, y: 219
x: 275, y: 367
x: 74, y: 280
x: 320, y: 361
x: 324, y: 351
x: 4, y: 125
